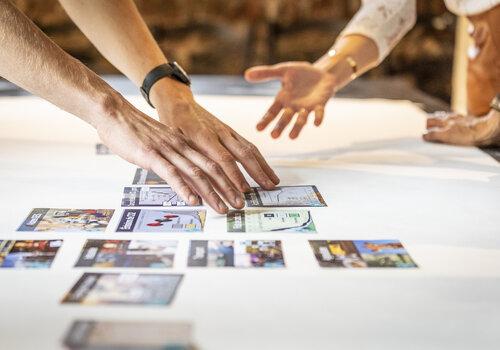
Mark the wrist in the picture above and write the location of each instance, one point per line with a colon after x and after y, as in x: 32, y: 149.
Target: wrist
x: 338, y: 66
x: 166, y: 93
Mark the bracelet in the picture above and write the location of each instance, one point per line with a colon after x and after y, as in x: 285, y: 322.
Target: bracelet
x: 495, y: 103
x: 350, y: 61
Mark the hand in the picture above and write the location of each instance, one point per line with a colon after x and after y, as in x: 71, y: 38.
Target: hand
x: 305, y: 89
x: 464, y: 130
x: 152, y: 145
x: 214, y: 139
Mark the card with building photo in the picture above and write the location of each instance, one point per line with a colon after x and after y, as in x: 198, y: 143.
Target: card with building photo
x: 123, y: 288
x: 285, y: 196
x: 161, y: 220
x: 270, y: 220
x: 108, y: 253
x: 67, y: 220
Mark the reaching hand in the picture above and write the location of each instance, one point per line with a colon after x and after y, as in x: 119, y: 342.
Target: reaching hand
x: 219, y: 143
x: 305, y: 89
x: 464, y: 130
x: 152, y: 145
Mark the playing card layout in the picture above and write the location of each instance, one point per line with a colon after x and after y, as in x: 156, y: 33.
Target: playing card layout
x: 152, y: 220
x: 214, y: 253
x: 151, y: 197
x: 147, y: 177
x: 270, y: 221
x: 28, y: 254
x: 123, y: 288
x: 127, y: 253
x: 285, y: 196
x: 128, y: 335
x: 362, y: 253
x: 67, y: 220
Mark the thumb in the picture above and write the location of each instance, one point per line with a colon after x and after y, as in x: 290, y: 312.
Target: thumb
x: 264, y: 73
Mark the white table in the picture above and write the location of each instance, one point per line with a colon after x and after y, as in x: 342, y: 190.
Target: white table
x: 379, y: 181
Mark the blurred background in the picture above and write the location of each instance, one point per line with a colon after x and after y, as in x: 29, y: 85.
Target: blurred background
x: 227, y: 36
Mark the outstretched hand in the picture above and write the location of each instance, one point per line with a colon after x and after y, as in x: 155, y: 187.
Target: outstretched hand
x: 305, y: 89
x: 463, y: 130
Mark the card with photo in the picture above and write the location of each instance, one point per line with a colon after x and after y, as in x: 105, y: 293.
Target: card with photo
x: 37, y: 254
x: 204, y: 253
x: 285, y: 196
x: 108, y: 253
x: 361, y: 253
x: 211, y: 253
x: 147, y: 177
x: 67, y: 220
x: 128, y: 335
x: 271, y: 220
x: 153, y: 220
x: 123, y: 288
x: 151, y: 197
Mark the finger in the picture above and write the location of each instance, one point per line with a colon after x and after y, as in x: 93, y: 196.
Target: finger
x: 436, y: 123
x: 245, y: 154
x: 319, y: 113
x: 299, y: 123
x: 285, y: 119
x: 260, y: 158
x: 168, y: 172
x: 198, y: 179
x: 264, y: 73
x: 270, y: 115
x: 211, y: 146
x: 217, y: 172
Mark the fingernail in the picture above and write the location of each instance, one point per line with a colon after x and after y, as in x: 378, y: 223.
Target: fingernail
x: 223, y: 207
x: 238, y: 201
x: 193, y: 199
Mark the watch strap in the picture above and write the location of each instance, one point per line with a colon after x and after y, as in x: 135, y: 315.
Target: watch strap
x: 169, y: 70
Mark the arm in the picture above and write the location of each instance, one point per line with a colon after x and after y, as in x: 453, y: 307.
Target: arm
x: 367, y: 39
x: 31, y: 60
x: 119, y: 32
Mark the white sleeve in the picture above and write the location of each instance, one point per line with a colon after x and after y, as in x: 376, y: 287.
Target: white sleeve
x: 383, y: 21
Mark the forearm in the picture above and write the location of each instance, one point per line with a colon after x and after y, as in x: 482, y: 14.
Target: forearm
x: 32, y: 61
x: 118, y: 31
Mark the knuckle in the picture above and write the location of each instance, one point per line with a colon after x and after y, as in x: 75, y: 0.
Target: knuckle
x: 246, y: 151
x: 225, y: 157
x: 213, y: 167
x: 196, y: 172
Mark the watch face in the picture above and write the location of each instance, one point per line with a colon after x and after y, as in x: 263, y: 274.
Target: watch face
x: 181, y: 73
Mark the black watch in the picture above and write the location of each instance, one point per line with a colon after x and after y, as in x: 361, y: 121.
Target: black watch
x: 495, y: 103
x: 170, y: 70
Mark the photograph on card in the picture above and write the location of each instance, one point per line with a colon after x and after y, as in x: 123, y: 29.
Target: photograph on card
x: 128, y: 335
x: 123, y: 288
x: 67, y: 220
x: 285, y: 196
x: 161, y: 220
x: 107, y: 253
x: 28, y: 254
x: 270, y: 220
x: 215, y: 253
x: 361, y: 253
